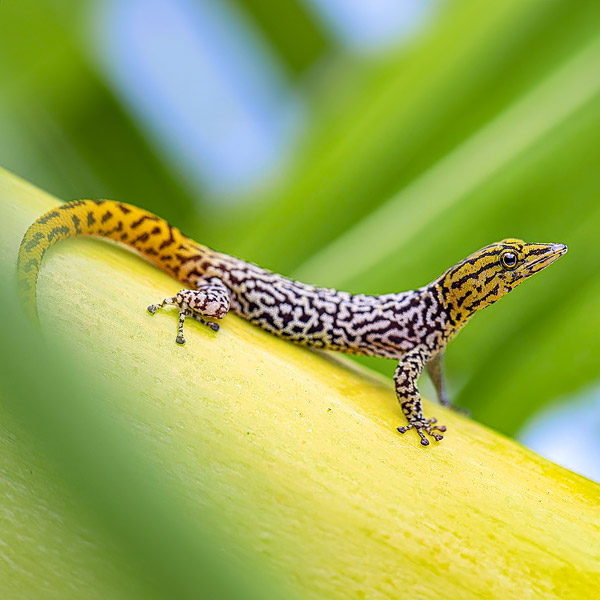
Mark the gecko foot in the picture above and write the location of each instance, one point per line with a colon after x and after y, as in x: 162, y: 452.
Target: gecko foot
x: 189, y: 303
x: 211, y: 325
x: 423, y: 426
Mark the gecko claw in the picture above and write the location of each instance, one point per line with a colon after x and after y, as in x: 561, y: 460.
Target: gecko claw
x: 422, y: 427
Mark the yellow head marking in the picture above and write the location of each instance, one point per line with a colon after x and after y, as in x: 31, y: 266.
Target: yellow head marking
x: 487, y: 275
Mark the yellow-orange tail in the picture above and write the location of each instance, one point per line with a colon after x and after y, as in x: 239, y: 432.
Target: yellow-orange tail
x: 150, y: 235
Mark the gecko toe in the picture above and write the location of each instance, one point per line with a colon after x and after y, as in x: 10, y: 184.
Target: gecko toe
x: 424, y: 428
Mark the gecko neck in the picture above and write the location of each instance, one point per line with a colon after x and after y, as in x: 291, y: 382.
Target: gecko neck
x: 457, y: 315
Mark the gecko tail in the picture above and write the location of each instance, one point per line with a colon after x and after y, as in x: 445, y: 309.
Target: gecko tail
x: 139, y: 229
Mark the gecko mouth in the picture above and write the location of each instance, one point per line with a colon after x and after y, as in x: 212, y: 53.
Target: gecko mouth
x: 554, y: 252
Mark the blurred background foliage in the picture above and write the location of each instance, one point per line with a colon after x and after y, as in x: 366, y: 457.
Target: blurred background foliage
x: 363, y: 145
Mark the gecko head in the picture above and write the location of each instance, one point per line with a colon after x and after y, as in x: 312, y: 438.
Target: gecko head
x: 490, y: 273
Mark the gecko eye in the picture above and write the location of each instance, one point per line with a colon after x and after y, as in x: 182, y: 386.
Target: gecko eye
x: 508, y: 259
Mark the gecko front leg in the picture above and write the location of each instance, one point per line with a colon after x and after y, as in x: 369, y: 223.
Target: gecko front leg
x: 407, y: 373
x: 211, y: 299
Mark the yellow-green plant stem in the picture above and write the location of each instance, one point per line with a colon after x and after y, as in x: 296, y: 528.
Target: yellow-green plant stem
x: 294, y: 454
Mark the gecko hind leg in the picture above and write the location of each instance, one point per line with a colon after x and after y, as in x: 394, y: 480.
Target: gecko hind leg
x: 436, y: 374
x: 211, y: 299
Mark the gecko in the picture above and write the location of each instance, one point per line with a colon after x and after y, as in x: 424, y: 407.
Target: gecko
x: 412, y: 327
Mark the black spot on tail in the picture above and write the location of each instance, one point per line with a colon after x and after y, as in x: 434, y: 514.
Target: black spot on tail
x: 48, y: 217
x: 57, y: 231
x: 32, y: 264
x: 106, y: 216
x: 139, y: 221
x: 76, y: 222
x: 91, y: 219
x: 185, y: 259
x: 141, y: 238
x: 73, y: 204
x: 168, y: 241
x: 34, y: 241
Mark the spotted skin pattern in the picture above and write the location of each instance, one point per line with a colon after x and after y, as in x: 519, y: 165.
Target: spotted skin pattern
x: 412, y: 327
